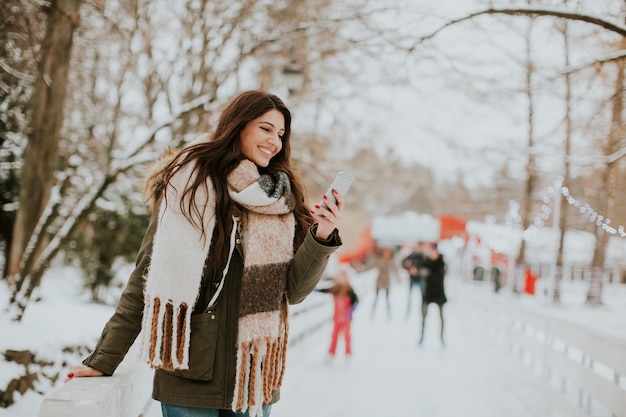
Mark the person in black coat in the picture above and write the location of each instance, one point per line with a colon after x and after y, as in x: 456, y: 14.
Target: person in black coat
x: 415, y: 264
x: 434, y: 291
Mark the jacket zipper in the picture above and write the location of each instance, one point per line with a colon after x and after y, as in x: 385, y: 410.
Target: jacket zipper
x: 229, y: 358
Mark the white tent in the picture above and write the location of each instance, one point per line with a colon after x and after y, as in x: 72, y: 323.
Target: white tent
x: 407, y: 227
x: 541, y: 243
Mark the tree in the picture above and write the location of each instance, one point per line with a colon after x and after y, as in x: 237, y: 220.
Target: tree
x: 608, y: 181
x: 531, y: 168
x: 17, y: 67
x: 145, y: 74
x: 47, y: 104
x: 612, y: 150
x: 562, y: 202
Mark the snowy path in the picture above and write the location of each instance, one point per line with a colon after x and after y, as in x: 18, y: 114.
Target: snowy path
x: 390, y: 375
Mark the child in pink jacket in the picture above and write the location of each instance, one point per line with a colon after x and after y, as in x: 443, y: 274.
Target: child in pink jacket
x: 345, y: 301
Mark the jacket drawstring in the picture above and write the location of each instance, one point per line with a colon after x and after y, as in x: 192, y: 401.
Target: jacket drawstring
x: 233, y: 235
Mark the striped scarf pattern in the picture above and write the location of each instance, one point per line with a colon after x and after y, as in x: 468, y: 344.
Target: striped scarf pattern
x: 268, y: 247
x: 172, y: 286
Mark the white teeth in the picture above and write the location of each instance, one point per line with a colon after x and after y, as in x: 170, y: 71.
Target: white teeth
x: 266, y: 151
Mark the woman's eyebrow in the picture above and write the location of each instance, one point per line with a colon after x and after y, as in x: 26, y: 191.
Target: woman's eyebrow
x: 271, y: 124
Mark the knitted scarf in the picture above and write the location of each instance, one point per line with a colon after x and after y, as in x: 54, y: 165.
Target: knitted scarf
x: 172, y: 286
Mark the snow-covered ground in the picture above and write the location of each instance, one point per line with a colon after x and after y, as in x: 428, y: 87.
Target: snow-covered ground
x: 389, y: 374
x: 62, y: 317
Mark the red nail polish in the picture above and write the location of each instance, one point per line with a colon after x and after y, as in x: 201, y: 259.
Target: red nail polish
x: 312, y: 212
x: 70, y: 375
x: 317, y: 207
x: 325, y: 198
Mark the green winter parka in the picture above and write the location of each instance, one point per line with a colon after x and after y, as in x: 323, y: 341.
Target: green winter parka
x: 215, y: 386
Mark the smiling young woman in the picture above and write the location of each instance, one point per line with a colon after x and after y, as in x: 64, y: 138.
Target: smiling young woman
x: 230, y: 244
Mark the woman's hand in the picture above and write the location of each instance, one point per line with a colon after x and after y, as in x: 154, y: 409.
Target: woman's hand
x: 81, y: 371
x: 328, y: 219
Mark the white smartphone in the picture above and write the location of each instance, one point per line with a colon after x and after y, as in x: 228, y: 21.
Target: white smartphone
x: 341, y: 183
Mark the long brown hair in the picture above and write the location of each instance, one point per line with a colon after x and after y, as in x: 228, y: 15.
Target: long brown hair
x: 221, y: 155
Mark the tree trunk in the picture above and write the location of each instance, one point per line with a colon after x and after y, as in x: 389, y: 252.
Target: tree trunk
x: 607, y: 187
x: 41, y: 152
x: 558, y: 273
x: 531, y: 173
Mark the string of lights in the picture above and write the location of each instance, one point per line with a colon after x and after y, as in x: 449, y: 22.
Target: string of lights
x: 557, y: 189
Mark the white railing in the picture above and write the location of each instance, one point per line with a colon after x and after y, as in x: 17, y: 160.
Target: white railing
x: 581, y: 372
x: 127, y: 392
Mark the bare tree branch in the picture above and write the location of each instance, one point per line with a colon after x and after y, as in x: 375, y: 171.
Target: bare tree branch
x: 615, y: 56
x: 599, y: 159
x: 187, y: 108
x: 530, y: 11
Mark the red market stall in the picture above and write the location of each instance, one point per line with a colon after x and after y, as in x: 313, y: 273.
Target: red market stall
x: 452, y: 226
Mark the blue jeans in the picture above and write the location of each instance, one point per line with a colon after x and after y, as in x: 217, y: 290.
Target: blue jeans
x: 421, y: 284
x: 170, y: 410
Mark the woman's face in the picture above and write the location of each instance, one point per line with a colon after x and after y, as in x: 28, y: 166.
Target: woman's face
x: 262, y: 138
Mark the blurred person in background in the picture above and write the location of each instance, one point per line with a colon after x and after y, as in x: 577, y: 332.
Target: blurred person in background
x: 434, y: 291
x: 415, y: 263
x: 386, y: 265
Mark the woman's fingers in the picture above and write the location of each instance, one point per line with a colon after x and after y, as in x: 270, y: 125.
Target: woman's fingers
x: 328, y: 217
x: 335, y: 207
x: 332, y: 211
x: 340, y: 201
x: 80, y: 371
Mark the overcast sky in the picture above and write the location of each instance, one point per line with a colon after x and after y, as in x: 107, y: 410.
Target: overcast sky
x: 463, y: 110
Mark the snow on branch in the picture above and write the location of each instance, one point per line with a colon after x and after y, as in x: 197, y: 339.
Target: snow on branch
x: 530, y: 11
x: 615, y: 56
x: 187, y: 108
x: 27, y: 279
x: 83, y: 206
x: 601, y: 159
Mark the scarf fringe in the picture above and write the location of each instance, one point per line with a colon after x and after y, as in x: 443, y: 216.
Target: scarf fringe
x: 165, y: 347
x: 260, y: 369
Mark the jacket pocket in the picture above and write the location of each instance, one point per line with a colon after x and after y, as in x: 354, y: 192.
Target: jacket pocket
x: 201, y: 348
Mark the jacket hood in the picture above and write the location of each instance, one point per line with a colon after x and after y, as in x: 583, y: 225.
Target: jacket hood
x: 154, y: 180
x: 152, y: 183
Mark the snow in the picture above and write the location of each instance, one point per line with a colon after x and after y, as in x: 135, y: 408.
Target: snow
x: 62, y: 317
x: 389, y: 374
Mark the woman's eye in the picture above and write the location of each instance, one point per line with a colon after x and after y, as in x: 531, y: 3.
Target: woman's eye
x: 265, y: 128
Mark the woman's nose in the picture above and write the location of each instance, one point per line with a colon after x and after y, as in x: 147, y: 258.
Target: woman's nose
x: 275, y: 139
